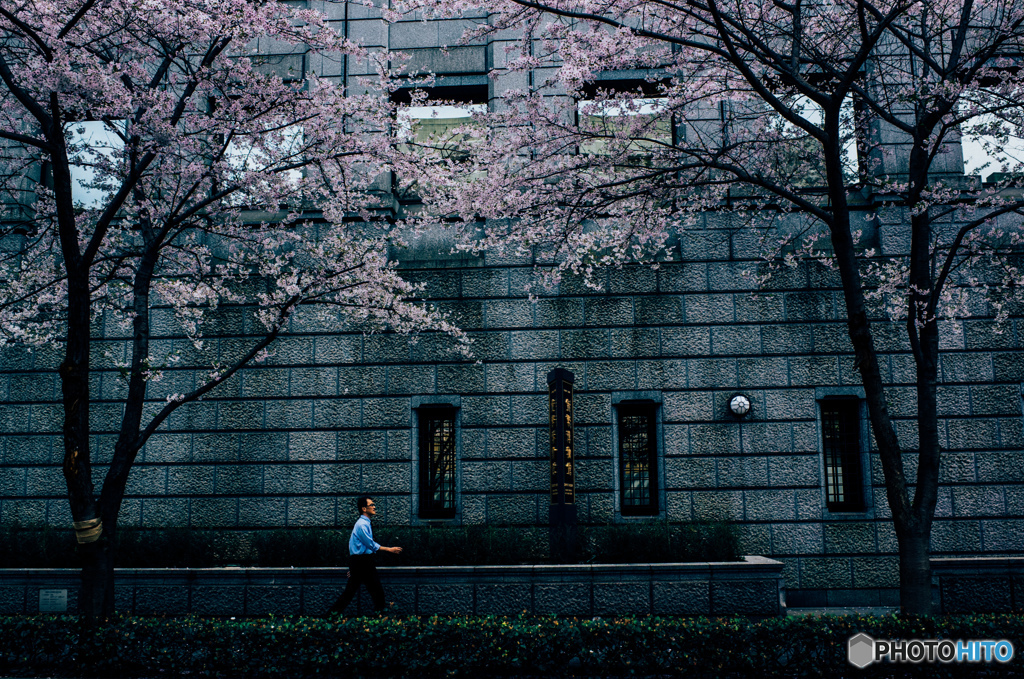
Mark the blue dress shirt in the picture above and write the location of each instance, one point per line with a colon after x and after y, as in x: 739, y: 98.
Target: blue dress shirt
x: 361, y: 541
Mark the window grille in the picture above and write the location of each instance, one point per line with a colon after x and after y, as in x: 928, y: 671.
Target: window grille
x: 638, y: 463
x: 437, y: 462
x: 840, y: 423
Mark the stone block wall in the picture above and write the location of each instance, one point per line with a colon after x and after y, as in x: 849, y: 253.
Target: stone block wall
x: 291, y: 442
x: 984, y: 585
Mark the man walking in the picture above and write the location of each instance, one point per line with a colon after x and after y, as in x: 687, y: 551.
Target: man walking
x: 361, y: 549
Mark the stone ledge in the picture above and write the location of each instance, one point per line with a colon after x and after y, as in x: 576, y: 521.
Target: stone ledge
x: 752, y: 587
x: 991, y: 584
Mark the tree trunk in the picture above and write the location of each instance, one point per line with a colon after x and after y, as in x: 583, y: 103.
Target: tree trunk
x: 96, y: 599
x: 913, y: 528
x: 915, y: 569
x: 915, y: 564
x: 96, y: 596
x: 912, y: 533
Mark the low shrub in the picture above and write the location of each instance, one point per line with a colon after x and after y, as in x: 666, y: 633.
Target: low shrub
x: 465, y: 545
x: 37, y: 547
x: 661, y: 542
x: 483, y: 646
x: 298, y: 547
x: 658, y: 542
x: 48, y: 547
x: 177, y: 548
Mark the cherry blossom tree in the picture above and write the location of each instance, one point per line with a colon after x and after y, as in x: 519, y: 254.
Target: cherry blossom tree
x: 803, y: 121
x: 154, y: 155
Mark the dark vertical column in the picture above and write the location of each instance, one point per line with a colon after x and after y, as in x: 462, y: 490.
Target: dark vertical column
x: 562, y: 513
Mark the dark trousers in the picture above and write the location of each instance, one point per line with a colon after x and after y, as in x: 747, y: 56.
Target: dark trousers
x: 362, y: 572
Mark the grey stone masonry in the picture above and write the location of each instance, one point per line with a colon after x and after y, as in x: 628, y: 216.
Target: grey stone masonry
x: 752, y: 587
x: 332, y: 413
x: 983, y: 585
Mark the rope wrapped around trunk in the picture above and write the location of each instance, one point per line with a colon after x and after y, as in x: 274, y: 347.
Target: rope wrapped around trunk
x: 88, y: 531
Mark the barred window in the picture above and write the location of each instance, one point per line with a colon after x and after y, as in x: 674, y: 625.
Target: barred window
x: 437, y: 462
x: 840, y: 424
x: 638, y: 468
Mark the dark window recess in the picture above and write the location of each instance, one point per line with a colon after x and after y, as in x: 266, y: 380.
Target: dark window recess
x: 436, y: 130
x: 437, y: 462
x: 638, y: 461
x: 458, y: 94
x: 639, y: 87
x: 840, y: 423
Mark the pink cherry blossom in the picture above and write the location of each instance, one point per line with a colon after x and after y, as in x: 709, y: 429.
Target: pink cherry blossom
x: 153, y: 156
x: 804, y: 123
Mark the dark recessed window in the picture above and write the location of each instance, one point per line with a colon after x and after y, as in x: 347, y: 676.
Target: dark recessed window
x: 437, y: 462
x: 438, y: 124
x: 607, y: 108
x: 464, y: 94
x: 840, y: 424
x: 638, y: 461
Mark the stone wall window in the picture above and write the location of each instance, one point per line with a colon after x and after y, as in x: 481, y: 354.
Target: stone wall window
x: 638, y: 459
x: 437, y: 124
x: 840, y: 435
x: 633, y: 109
x: 438, y: 458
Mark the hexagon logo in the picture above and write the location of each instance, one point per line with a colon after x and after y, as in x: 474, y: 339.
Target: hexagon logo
x: 860, y: 650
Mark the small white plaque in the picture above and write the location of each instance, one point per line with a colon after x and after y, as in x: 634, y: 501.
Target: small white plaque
x: 53, y: 601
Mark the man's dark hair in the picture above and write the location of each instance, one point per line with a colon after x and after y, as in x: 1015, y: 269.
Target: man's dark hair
x: 362, y: 502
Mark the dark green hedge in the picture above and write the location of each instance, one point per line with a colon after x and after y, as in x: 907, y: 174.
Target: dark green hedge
x: 476, y: 646
x: 47, y: 547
